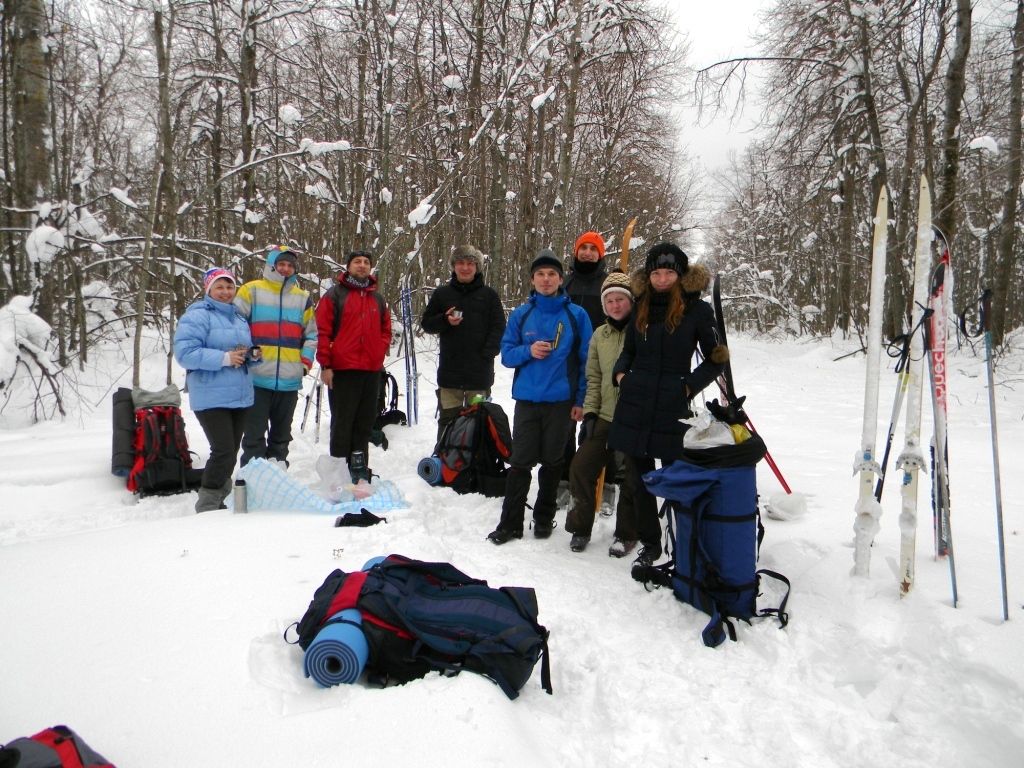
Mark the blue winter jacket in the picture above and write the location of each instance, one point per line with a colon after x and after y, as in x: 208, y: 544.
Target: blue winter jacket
x: 562, y: 375
x: 205, y: 332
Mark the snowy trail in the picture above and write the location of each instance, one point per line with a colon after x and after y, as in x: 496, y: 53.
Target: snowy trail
x: 156, y: 633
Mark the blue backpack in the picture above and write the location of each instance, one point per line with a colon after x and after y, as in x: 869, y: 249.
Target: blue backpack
x: 715, y: 531
x: 420, y: 617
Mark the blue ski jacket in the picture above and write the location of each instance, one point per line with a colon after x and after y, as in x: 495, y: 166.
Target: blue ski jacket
x: 560, y: 376
x: 205, y: 332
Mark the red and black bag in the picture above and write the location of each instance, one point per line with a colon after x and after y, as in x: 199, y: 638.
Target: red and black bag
x: 57, y: 747
x: 420, y: 617
x: 163, y: 464
x: 474, y: 450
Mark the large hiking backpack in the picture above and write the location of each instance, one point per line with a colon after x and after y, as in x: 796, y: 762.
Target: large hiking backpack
x: 420, y: 617
x: 473, y: 450
x: 163, y: 463
x: 387, y: 409
x: 715, y: 533
x: 57, y: 747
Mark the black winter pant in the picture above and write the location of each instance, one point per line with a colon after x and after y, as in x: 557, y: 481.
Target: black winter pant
x: 223, y: 428
x: 648, y: 525
x: 271, y: 409
x: 538, y: 436
x: 353, y: 399
x: 593, y: 456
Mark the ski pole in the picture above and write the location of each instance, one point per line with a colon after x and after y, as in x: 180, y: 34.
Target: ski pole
x: 319, y: 397
x: 985, y: 327
x: 309, y: 400
x: 750, y: 425
x: 903, y: 369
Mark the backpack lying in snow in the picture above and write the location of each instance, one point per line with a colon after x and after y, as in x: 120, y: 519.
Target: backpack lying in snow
x: 473, y: 450
x: 163, y: 463
x: 57, y: 747
x: 715, y: 528
x: 420, y: 617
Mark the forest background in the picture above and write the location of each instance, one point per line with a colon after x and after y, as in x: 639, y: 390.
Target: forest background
x: 144, y: 142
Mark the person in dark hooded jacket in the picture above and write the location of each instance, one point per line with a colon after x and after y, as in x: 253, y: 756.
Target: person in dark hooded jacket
x: 468, y: 317
x: 654, y: 376
x: 583, y: 287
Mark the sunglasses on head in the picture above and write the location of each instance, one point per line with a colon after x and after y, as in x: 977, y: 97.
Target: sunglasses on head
x: 665, y: 260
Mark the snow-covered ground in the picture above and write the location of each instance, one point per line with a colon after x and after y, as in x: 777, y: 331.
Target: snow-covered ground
x: 156, y: 632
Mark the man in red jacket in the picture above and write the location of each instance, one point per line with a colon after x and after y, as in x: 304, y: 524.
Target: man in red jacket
x: 353, y: 336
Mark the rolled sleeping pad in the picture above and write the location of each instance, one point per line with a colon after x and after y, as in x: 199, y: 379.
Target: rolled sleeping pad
x: 430, y: 470
x: 339, y: 651
x: 123, y: 454
x: 373, y: 561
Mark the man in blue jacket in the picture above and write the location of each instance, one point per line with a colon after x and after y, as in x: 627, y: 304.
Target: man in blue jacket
x: 546, y: 341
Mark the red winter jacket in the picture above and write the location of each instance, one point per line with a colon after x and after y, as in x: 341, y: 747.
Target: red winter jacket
x: 364, y: 334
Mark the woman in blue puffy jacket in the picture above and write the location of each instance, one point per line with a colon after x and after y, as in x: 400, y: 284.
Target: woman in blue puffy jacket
x: 213, y: 344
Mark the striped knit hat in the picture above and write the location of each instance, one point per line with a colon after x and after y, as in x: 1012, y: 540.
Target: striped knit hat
x: 215, y: 274
x: 616, y: 282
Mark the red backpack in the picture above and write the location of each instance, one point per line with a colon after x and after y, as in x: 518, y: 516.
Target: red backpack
x: 163, y: 463
x: 57, y: 747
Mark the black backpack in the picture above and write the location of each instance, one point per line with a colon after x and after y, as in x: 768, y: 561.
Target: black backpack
x: 420, y: 617
x: 474, y: 450
x: 57, y: 747
x: 387, y: 409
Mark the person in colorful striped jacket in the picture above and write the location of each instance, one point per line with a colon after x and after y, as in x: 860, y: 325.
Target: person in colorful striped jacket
x: 282, y: 320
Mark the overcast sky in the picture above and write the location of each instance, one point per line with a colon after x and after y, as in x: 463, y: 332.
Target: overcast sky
x: 716, y: 30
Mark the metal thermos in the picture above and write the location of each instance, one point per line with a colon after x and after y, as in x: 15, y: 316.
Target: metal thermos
x: 240, y: 501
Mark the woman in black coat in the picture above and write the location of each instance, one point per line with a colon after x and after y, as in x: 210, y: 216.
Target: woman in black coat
x: 654, y: 377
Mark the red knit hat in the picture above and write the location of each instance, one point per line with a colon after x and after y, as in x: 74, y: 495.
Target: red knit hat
x: 594, y: 239
x: 215, y: 274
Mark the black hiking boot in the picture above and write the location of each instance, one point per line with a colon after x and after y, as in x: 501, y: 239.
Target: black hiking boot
x: 645, y: 559
x: 542, y: 528
x: 579, y: 542
x: 501, y: 536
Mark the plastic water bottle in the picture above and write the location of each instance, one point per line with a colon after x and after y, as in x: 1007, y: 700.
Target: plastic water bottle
x: 240, y: 501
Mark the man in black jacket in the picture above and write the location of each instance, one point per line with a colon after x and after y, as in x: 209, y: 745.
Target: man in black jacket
x: 583, y: 286
x: 470, y: 320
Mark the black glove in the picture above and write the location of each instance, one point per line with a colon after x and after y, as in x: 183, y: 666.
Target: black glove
x: 589, y: 423
x: 732, y: 413
x: 364, y: 518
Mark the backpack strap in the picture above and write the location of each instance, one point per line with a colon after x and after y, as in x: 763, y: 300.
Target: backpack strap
x: 545, y: 663
x: 780, y: 612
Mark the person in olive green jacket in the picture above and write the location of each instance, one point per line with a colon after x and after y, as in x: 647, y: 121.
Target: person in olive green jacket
x: 594, y: 454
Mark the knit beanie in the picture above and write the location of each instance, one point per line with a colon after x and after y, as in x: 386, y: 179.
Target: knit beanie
x: 667, y: 256
x: 468, y: 253
x: 279, y: 255
x: 547, y: 258
x: 215, y: 274
x: 616, y: 282
x: 594, y: 239
x: 353, y: 254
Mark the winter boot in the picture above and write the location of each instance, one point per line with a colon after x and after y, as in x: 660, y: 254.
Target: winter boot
x: 579, y: 542
x: 209, y: 499
x: 544, y: 508
x: 513, y: 508
x: 226, y: 490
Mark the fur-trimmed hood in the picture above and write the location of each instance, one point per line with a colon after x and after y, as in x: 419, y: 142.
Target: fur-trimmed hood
x: 695, y: 281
